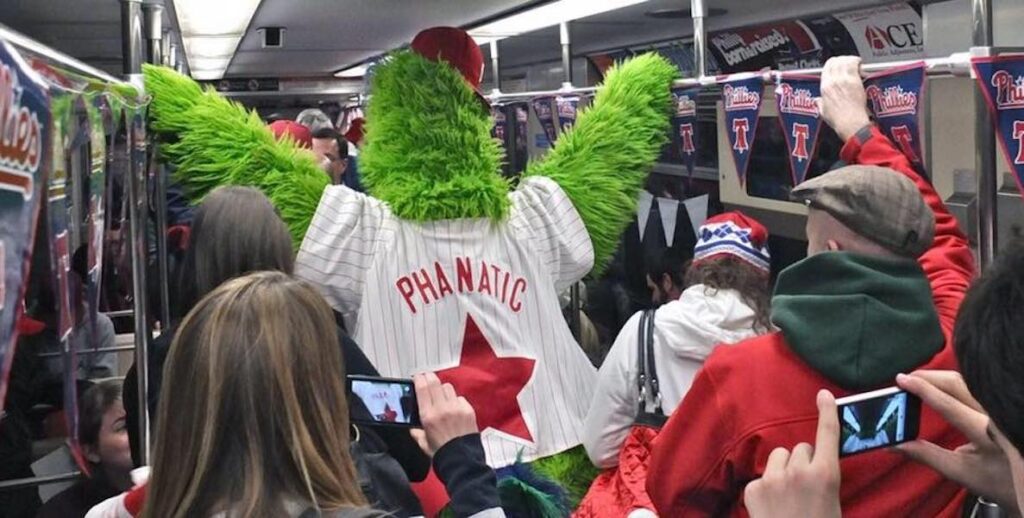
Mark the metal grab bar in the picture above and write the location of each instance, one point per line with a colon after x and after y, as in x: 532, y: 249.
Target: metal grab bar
x: 84, y: 352
x: 20, y: 40
x: 22, y: 483
x: 958, y: 64
x: 954, y: 64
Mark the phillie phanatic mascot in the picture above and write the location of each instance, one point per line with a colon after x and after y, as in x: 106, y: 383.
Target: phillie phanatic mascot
x: 446, y: 266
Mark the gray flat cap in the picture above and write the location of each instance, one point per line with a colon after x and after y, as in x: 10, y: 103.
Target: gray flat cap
x: 878, y: 203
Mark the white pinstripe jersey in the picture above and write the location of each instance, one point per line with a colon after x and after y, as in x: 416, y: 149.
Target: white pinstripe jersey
x: 408, y: 289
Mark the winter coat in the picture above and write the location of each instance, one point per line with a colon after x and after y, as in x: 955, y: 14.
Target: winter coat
x: 685, y: 333
x: 459, y: 464
x: 848, y: 323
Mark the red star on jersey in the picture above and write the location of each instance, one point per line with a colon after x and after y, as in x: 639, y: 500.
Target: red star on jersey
x: 491, y: 384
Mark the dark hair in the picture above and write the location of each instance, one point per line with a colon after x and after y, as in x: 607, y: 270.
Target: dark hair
x: 733, y: 273
x: 323, y: 133
x: 671, y: 261
x: 989, y: 342
x: 235, y: 231
x: 94, y: 403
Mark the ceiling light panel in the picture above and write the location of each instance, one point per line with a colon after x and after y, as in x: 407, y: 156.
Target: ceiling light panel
x: 547, y: 15
x: 211, y: 31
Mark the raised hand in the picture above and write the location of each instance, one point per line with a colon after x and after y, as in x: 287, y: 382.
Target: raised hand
x: 844, y: 103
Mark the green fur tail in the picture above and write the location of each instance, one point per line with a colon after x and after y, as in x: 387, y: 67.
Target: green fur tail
x: 571, y: 469
x: 603, y: 161
x: 521, y: 499
x: 429, y: 152
x: 214, y: 142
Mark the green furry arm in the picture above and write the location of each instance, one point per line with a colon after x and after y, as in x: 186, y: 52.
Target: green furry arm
x: 603, y: 161
x: 214, y: 142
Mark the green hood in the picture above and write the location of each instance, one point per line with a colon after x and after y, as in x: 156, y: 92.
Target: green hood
x: 858, y: 320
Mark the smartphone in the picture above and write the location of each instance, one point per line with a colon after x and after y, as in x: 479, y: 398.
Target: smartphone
x: 877, y: 419
x: 390, y: 401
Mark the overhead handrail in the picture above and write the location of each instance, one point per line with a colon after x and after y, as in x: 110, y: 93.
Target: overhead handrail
x: 24, y: 42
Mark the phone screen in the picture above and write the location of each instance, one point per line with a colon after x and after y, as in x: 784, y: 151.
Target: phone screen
x: 390, y: 402
x: 877, y: 420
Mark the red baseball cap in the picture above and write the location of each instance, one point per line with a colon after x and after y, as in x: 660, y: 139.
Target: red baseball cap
x: 355, y: 130
x: 455, y: 47
x: 299, y: 133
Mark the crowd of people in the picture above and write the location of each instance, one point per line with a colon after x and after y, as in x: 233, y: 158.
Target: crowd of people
x: 721, y: 401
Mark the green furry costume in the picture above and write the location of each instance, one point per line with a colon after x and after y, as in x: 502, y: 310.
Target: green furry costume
x: 429, y: 157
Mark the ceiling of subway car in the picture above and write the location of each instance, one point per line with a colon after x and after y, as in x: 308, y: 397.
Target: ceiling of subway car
x: 324, y: 36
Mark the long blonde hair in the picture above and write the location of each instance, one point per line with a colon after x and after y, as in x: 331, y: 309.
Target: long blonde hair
x: 254, y: 413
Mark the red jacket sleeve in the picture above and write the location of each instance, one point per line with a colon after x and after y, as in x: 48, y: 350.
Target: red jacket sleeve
x: 691, y: 464
x: 949, y: 263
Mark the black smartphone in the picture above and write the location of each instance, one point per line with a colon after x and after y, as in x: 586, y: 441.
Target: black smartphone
x: 390, y: 401
x: 877, y: 419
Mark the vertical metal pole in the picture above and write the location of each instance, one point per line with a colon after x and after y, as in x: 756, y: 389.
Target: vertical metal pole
x: 131, y: 33
x: 984, y: 144
x: 131, y: 39
x: 495, y: 66
x: 699, y: 11
x: 172, y: 55
x: 154, y: 32
x: 165, y: 48
x: 563, y: 33
x: 153, y: 18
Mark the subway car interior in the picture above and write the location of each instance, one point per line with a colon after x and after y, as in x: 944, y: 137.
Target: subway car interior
x: 101, y: 183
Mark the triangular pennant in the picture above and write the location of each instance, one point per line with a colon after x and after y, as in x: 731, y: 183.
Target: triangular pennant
x: 742, y: 101
x: 566, y: 108
x: 1002, y: 80
x: 697, y: 209
x: 669, y: 209
x: 684, y: 126
x: 895, y: 99
x: 796, y: 97
x: 542, y: 109
x: 643, y: 212
x: 24, y: 155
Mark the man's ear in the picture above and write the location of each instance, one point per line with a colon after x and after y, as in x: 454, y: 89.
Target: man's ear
x: 833, y: 246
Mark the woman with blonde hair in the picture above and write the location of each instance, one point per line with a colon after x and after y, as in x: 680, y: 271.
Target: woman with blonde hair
x: 259, y: 424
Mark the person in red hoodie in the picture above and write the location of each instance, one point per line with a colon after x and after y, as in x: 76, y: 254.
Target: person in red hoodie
x: 877, y: 295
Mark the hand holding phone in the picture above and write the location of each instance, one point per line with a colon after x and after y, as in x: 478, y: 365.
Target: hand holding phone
x: 446, y: 416
x: 980, y: 465
x: 877, y: 419
x: 804, y: 482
